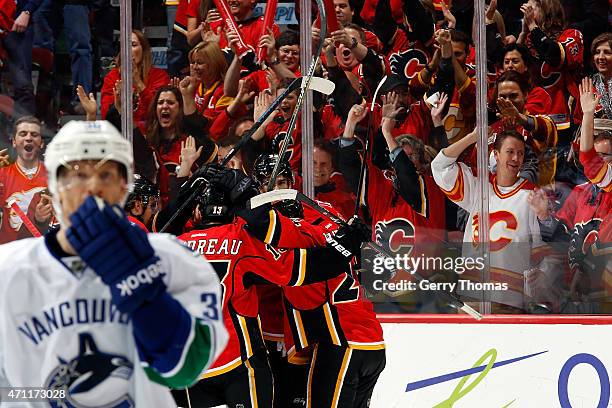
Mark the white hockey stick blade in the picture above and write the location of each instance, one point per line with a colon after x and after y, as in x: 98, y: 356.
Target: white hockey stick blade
x: 322, y: 85
x: 271, y: 196
x: 468, y: 310
x: 380, y: 84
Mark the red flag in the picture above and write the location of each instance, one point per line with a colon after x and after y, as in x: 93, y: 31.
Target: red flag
x: 330, y: 14
x: 230, y: 23
x: 267, y: 23
x: 24, y: 218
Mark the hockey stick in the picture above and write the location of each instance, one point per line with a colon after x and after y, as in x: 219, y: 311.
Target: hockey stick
x: 188, y: 399
x: 322, y: 85
x: 367, y: 145
x: 298, y: 106
x: 196, y: 192
x: 288, y: 194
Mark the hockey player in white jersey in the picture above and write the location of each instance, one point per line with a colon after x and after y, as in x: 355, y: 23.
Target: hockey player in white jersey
x: 99, y: 309
x: 515, y: 242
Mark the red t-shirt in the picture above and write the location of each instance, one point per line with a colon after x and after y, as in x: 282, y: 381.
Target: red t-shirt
x: 251, y: 29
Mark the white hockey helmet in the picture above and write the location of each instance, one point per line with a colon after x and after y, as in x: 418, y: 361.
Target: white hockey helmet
x: 81, y: 140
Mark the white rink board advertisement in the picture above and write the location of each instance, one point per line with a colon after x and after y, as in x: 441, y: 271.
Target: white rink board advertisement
x: 511, y: 365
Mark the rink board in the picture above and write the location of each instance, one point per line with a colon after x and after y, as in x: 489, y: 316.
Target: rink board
x: 524, y: 361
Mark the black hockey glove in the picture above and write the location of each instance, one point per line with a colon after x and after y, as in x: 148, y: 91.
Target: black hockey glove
x: 237, y: 185
x: 351, y: 236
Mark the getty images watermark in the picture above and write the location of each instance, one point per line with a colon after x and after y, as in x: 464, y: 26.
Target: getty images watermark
x: 425, y: 269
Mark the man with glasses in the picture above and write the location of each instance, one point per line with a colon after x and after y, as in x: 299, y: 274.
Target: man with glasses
x: 26, y: 206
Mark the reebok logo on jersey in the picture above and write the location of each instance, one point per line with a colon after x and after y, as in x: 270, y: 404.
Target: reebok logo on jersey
x: 145, y: 275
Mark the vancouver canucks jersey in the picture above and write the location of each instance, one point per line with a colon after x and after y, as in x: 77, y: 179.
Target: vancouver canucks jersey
x: 60, y: 330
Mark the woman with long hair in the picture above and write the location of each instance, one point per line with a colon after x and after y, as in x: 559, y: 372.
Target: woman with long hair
x: 208, y: 66
x: 171, y: 119
x: 146, y: 80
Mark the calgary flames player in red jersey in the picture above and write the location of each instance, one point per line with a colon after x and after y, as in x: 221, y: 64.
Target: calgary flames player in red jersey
x: 332, y: 317
x: 241, y: 375
x: 26, y: 207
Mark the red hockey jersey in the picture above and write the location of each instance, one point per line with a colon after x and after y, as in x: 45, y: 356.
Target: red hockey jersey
x: 212, y: 104
x: 275, y: 134
x: 407, y: 58
x: 242, y: 262
x: 561, y: 82
x: 583, y: 204
x: 395, y: 224
x: 271, y: 301
x: 16, y: 186
x: 333, y: 311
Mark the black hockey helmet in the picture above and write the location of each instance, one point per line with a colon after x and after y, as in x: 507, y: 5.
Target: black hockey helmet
x: 143, y: 191
x: 262, y: 171
x: 214, y: 206
x: 264, y: 165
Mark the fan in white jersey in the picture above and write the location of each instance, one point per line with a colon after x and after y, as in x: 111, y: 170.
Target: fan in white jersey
x: 99, y: 311
x: 515, y: 242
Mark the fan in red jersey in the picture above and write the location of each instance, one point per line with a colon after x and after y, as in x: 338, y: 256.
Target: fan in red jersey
x: 558, y: 51
x: 208, y: 67
x: 26, y: 206
x: 539, y: 131
x: 147, y: 80
x: 204, y: 21
x: 415, y: 208
x: 586, y: 207
x: 516, y: 57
